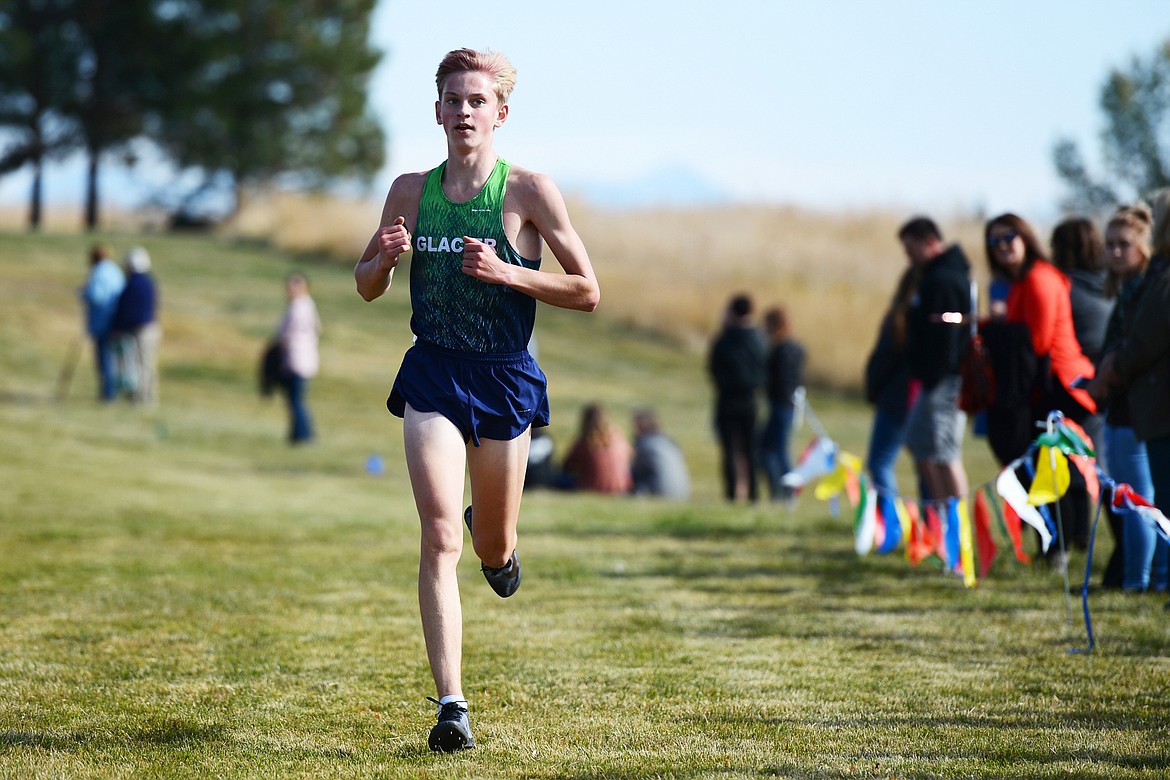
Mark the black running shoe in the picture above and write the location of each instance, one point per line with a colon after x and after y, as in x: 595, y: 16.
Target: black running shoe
x: 453, y: 731
x: 505, y: 580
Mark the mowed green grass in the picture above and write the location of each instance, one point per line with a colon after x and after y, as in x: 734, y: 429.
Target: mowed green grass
x: 183, y: 595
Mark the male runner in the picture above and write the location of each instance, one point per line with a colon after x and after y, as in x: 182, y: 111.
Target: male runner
x: 468, y: 391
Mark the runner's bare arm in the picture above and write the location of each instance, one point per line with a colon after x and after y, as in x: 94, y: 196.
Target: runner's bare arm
x: 540, y: 203
x: 374, y: 272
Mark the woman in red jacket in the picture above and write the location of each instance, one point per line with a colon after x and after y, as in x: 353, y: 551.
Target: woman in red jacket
x: 1039, y: 298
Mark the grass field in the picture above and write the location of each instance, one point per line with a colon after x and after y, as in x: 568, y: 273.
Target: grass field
x: 183, y: 595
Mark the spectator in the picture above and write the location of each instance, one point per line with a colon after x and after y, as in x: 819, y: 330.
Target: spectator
x: 736, y: 366
x: 889, y: 386
x: 102, y: 289
x: 1078, y: 252
x: 137, y: 327
x: 936, y: 339
x: 1040, y: 298
x: 542, y: 468
x: 659, y: 468
x: 599, y: 459
x: 299, y: 332
x: 1136, y: 367
x: 784, y: 377
x: 997, y: 292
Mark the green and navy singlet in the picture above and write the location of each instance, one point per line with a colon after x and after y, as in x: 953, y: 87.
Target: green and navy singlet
x: 450, y: 308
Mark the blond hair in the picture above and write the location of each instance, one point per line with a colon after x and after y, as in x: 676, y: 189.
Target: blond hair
x: 491, y: 63
x: 1138, y: 219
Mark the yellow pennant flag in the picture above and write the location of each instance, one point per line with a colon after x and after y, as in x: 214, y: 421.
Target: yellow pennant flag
x: 832, y: 484
x: 903, y: 516
x: 966, y: 545
x: 1051, y: 480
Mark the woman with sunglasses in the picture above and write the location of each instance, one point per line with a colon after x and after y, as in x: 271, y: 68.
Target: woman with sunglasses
x: 1040, y: 299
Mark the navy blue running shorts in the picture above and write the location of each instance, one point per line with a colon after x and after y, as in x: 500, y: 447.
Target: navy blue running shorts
x: 486, y: 396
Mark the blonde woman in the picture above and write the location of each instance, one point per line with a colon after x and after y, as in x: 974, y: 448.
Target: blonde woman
x: 1129, y: 243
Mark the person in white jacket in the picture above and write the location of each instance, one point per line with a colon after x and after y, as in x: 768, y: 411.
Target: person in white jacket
x: 299, y: 333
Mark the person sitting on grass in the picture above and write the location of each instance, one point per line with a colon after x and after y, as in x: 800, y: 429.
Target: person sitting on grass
x: 599, y: 460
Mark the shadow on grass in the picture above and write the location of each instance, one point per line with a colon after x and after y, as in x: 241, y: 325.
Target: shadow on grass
x: 166, y: 734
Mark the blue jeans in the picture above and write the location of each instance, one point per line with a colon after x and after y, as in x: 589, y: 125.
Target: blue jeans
x: 296, y: 390
x: 885, y: 443
x: 774, y: 447
x: 1158, y: 451
x: 107, y: 367
x: 1129, y: 463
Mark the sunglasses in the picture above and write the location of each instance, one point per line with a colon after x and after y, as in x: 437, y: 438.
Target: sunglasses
x: 1003, y: 238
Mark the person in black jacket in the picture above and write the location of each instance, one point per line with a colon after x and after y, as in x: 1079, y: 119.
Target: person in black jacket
x: 890, y: 388
x: 785, y: 376
x: 1079, y: 250
x: 936, y: 338
x: 137, y: 326
x: 736, y: 365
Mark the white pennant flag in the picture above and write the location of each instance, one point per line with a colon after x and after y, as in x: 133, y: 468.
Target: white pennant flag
x: 819, y: 460
x: 1007, y: 484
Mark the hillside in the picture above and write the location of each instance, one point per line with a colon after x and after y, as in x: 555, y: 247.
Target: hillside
x: 222, y: 298
x: 667, y: 270
x: 671, y: 270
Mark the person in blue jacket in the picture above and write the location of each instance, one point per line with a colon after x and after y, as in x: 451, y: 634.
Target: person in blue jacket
x: 103, y: 287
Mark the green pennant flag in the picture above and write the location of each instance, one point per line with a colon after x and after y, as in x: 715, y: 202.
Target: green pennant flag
x: 1066, y: 441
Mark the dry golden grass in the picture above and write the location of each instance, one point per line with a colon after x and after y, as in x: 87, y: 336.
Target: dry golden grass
x: 71, y: 219
x: 673, y: 270
x: 307, y: 222
x: 670, y: 270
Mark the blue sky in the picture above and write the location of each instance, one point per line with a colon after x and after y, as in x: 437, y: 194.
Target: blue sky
x: 834, y: 104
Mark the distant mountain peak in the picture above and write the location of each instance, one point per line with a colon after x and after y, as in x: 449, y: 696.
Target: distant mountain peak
x: 675, y: 185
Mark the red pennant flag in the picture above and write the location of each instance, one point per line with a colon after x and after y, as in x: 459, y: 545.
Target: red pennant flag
x: 938, y: 538
x: 852, y: 487
x: 984, y: 543
x: 919, y: 544
x: 1011, y: 522
x: 1086, y: 465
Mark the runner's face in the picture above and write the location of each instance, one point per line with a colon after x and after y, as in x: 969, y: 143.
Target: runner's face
x: 469, y: 109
